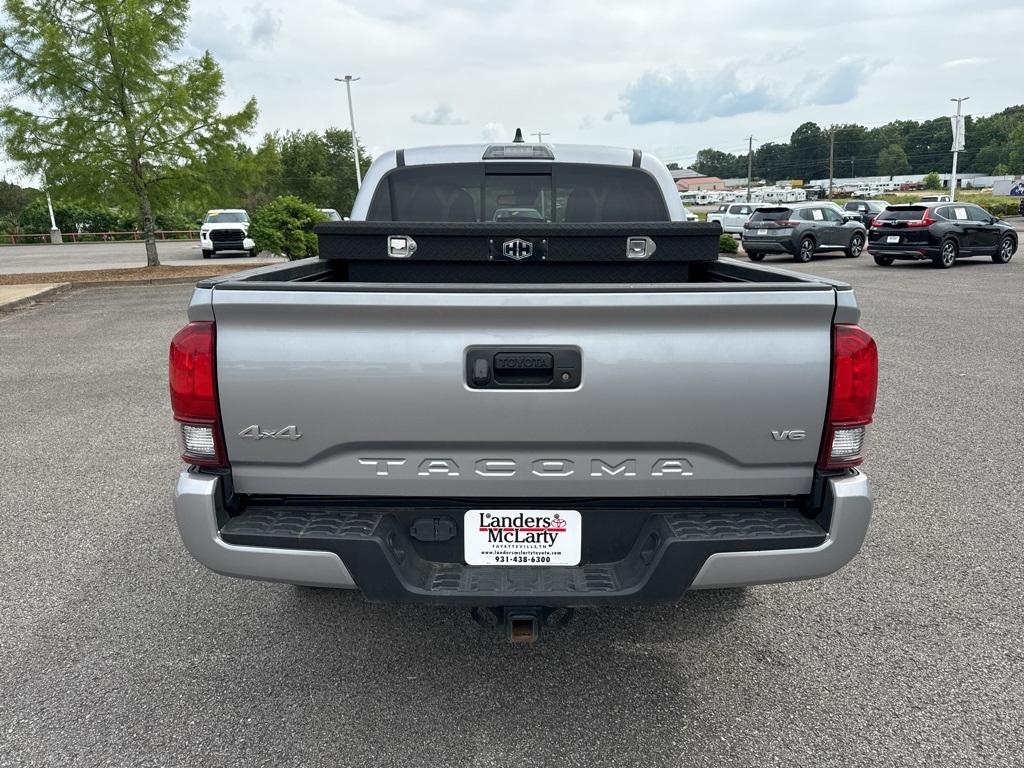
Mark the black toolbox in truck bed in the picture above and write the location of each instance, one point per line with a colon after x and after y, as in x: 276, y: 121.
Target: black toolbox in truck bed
x: 518, y: 253
x: 521, y: 242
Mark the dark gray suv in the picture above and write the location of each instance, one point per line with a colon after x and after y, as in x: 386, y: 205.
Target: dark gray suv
x: 801, y: 230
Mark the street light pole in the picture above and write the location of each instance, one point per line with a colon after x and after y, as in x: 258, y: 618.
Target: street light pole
x: 55, y: 236
x: 348, y: 80
x: 956, y: 146
x: 750, y: 165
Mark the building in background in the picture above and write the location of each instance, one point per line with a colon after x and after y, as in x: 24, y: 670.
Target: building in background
x: 688, y: 180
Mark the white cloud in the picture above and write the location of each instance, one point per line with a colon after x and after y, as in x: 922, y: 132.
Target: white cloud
x: 265, y: 25
x: 954, y: 63
x: 495, y: 132
x: 442, y: 114
x: 680, y: 96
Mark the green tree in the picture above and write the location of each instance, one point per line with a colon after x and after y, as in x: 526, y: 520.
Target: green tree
x: 712, y: 162
x: 892, y: 161
x: 1015, y: 146
x: 115, y: 113
x: 932, y: 180
x: 234, y: 177
x: 320, y: 167
x: 771, y: 161
x: 808, y: 152
x: 285, y: 226
x: 13, y: 200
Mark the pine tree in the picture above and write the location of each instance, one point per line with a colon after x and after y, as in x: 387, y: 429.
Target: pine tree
x: 113, y: 111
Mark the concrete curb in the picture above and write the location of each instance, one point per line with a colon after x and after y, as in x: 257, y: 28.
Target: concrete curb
x: 150, y: 281
x: 10, y: 306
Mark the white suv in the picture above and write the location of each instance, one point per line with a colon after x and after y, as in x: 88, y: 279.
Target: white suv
x: 226, y: 229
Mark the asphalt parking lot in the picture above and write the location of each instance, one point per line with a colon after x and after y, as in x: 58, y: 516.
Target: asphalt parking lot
x: 117, y: 649
x: 17, y: 259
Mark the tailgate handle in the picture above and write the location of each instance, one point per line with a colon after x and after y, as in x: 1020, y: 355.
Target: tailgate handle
x: 523, y: 367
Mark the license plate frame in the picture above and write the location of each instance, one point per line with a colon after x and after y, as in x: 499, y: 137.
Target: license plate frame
x: 522, y: 537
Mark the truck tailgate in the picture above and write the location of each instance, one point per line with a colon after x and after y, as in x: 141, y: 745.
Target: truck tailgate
x: 706, y: 392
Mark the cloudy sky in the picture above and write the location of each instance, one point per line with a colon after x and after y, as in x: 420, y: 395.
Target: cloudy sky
x: 668, y: 77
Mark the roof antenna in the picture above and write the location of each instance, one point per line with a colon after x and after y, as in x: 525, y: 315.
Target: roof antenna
x: 519, y: 137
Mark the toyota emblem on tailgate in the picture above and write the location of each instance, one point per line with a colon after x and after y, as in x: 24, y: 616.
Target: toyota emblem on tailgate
x: 517, y: 249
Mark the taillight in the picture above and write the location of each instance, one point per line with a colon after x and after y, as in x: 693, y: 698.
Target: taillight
x: 925, y: 221
x: 851, y: 397
x: 193, y: 384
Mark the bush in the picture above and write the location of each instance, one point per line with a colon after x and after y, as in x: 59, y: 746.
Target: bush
x: 932, y: 181
x: 997, y: 206
x: 728, y: 244
x: 285, y: 227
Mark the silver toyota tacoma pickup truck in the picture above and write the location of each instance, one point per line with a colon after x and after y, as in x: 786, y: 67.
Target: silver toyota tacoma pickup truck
x: 518, y: 382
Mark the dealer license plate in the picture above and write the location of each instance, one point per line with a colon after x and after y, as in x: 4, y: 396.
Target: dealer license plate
x: 762, y: 232
x: 892, y: 239
x: 522, y: 536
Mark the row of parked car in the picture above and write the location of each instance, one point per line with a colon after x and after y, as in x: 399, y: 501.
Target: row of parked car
x: 933, y: 229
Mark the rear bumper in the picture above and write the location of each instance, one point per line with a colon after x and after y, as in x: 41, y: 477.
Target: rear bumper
x: 911, y: 251
x: 769, y: 246
x: 199, y: 512
x: 673, y: 552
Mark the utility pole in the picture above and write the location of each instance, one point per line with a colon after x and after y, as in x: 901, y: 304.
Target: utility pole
x: 957, y: 142
x: 831, y: 159
x: 540, y: 136
x: 348, y: 80
x: 55, y: 236
x: 750, y: 165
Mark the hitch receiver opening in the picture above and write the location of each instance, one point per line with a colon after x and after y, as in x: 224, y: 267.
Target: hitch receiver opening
x: 522, y: 626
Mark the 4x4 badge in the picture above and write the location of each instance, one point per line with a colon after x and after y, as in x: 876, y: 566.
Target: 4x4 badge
x: 254, y: 432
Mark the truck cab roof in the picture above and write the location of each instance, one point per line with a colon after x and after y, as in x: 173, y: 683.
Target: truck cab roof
x: 516, y: 153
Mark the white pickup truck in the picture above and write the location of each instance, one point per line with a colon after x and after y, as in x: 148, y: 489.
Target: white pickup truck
x: 528, y: 415
x: 225, y: 229
x: 733, y: 216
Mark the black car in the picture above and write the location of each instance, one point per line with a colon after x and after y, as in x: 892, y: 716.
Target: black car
x: 801, y: 230
x: 865, y: 211
x: 1020, y: 207
x: 942, y: 232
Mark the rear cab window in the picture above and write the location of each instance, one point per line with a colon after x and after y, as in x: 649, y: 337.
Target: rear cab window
x: 507, y: 192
